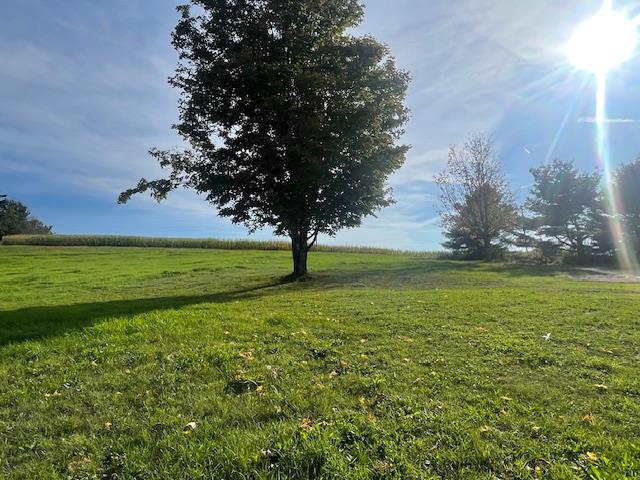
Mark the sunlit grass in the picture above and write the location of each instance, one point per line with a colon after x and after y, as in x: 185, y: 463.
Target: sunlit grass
x: 380, y: 366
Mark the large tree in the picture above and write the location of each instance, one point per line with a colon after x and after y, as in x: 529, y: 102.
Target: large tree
x: 627, y: 187
x: 16, y: 219
x: 292, y: 122
x: 477, y: 207
x: 567, y: 207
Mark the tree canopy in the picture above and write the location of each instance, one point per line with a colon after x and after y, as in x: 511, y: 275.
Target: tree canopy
x: 291, y: 121
x: 16, y: 219
x: 567, y: 207
x: 477, y: 206
x: 627, y: 186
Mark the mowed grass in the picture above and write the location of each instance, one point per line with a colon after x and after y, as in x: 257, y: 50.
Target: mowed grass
x: 125, y: 363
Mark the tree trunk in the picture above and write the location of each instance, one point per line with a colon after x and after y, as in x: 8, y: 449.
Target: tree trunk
x: 581, y: 251
x: 486, y: 247
x: 299, y: 250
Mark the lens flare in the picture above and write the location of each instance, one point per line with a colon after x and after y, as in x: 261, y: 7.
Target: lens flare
x: 599, y: 45
x: 626, y: 255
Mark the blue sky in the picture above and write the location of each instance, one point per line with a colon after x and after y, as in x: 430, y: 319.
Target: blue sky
x: 83, y: 95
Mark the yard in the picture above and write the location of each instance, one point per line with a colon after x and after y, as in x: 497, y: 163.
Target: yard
x: 151, y: 363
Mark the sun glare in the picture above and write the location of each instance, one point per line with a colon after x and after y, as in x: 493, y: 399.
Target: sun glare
x: 599, y: 45
x: 603, y: 42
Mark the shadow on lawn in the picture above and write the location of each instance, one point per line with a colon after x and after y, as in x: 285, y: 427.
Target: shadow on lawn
x: 427, y: 273
x: 48, y: 321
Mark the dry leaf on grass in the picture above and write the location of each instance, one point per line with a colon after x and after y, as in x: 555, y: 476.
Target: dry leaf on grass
x: 190, y: 427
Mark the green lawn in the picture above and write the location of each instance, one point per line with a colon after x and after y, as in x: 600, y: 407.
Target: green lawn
x: 378, y: 367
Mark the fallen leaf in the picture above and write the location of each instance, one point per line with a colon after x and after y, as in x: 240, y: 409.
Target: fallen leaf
x: 79, y: 464
x: 601, y: 387
x: 588, y: 418
x: 592, y: 457
x: 247, y: 355
x: 485, y: 429
x: 108, y: 425
x: 190, y: 427
x: 306, y: 424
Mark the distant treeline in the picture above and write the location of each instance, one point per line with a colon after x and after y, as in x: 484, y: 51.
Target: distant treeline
x: 204, y: 243
x: 15, y: 218
x: 569, y: 215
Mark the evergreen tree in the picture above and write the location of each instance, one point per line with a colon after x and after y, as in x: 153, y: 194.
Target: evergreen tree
x: 567, y: 208
x: 628, y: 190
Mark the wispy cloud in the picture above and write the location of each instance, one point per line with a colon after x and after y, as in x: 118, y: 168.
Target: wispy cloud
x: 607, y: 120
x: 84, y: 95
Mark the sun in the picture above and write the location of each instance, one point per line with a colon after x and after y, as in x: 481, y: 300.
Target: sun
x: 603, y: 42
x: 600, y: 44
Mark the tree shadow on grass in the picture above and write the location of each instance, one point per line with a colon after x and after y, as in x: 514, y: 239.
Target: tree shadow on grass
x: 426, y: 273
x: 39, y: 322
x: 47, y: 321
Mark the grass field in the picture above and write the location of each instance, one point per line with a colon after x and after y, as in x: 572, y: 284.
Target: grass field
x: 132, y: 363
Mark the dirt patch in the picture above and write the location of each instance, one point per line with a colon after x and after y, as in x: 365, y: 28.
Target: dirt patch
x: 603, y: 275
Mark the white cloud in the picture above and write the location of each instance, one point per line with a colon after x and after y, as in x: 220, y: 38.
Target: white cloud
x: 85, y: 116
x: 421, y: 167
x: 607, y: 120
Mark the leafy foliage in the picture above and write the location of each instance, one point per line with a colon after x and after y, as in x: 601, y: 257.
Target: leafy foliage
x: 567, y: 208
x: 16, y: 219
x: 477, y: 206
x: 628, y: 190
x: 292, y: 122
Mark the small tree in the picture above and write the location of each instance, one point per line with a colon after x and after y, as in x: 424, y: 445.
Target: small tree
x: 567, y: 207
x: 292, y: 121
x: 16, y: 219
x: 627, y: 185
x: 477, y: 208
